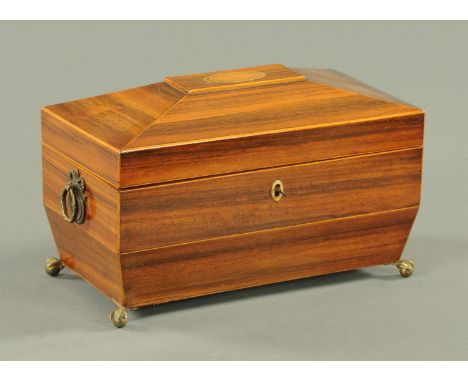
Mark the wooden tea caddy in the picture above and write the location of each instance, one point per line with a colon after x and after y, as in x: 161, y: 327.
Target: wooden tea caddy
x: 219, y: 181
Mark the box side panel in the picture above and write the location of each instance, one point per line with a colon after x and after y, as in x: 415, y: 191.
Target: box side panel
x: 89, y: 258
x: 269, y: 150
x: 75, y: 144
x: 101, y: 220
x: 259, y: 258
x: 228, y: 205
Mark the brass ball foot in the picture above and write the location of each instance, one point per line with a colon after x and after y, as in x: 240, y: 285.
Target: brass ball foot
x: 405, y: 267
x: 53, y: 266
x: 119, y: 317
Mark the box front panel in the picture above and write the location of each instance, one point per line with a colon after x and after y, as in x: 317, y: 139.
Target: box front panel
x: 259, y: 258
x: 183, y: 212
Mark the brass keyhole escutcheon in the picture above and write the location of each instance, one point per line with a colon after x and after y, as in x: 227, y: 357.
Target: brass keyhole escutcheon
x: 277, y: 190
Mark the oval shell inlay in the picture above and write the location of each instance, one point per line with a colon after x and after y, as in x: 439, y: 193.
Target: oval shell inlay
x: 233, y: 77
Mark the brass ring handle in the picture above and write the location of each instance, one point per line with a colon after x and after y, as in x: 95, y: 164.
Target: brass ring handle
x: 69, y: 190
x: 75, y: 190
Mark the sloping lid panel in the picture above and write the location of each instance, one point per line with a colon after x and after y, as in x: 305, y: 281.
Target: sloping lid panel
x: 92, y: 131
x: 116, y: 118
x: 334, y: 78
x: 261, y: 110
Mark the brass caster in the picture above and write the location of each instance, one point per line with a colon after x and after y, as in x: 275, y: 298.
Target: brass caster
x: 405, y: 267
x: 53, y: 266
x: 119, y: 317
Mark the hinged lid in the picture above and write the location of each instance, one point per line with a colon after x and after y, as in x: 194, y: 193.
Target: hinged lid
x: 224, y: 122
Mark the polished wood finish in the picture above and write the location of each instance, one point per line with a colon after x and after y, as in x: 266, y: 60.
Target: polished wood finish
x: 234, y: 79
x: 228, y: 205
x: 88, y: 257
x: 254, y: 116
x: 204, y: 267
x: 263, y: 110
x: 157, y: 134
x: 334, y: 78
x: 179, y: 174
x: 116, y: 118
x: 92, y: 131
x: 269, y: 150
x: 102, y: 204
x: 76, y: 144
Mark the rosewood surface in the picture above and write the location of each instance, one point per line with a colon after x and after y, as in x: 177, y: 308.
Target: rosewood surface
x: 157, y: 133
x: 235, y: 262
x: 89, y: 258
x: 228, y: 205
x: 269, y: 150
x: 178, y: 177
x: 234, y: 79
x: 102, y: 204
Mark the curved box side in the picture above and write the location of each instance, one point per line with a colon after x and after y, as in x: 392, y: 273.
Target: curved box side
x: 89, y: 258
x: 102, y: 204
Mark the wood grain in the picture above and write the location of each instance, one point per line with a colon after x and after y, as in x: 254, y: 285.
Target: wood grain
x: 218, y: 265
x: 74, y: 143
x: 200, y: 83
x: 91, y: 260
x: 178, y: 181
x: 336, y: 79
x: 268, y: 150
x: 262, y: 110
x: 92, y: 131
x: 116, y: 118
x: 228, y: 205
x: 102, y: 204
x: 155, y: 133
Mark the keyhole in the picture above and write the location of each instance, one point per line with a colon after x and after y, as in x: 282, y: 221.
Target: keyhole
x: 277, y: 190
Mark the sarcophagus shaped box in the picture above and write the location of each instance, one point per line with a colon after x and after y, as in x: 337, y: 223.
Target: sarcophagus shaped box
x: 213, y: 182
